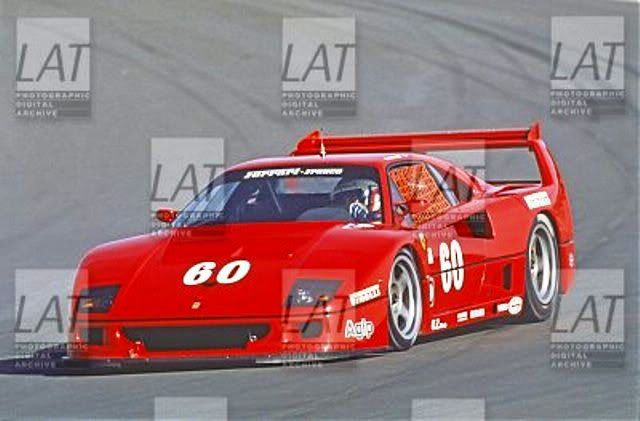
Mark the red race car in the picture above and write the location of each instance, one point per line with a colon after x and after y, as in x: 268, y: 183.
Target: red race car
x: 353, y: 244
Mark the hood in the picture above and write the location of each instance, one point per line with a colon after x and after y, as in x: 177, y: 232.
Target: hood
x: 152, y: 270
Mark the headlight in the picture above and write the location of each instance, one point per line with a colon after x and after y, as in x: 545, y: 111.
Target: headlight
x: 310, y: 292
x: 97, y: 300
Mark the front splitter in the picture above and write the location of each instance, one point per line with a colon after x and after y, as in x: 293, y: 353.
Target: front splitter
x: 62, y: 365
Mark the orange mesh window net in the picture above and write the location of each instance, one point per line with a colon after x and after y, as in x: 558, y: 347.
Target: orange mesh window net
x: 415, y: 184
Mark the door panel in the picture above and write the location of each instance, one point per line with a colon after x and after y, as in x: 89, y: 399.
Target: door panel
x: 457, y: 265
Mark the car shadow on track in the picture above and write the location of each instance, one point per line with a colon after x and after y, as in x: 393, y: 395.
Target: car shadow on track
x: 493, y: 324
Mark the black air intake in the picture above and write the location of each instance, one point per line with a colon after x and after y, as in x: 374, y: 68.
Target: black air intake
x: 196, y: 337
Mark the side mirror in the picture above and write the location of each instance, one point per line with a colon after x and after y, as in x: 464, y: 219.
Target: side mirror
x: 410, y: 207
x: 401, y: 209
x: 402, y: 215
x: 404, y: 212
x: 166, y: 215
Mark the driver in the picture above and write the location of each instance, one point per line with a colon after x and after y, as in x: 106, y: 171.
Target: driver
x: 361, y: 197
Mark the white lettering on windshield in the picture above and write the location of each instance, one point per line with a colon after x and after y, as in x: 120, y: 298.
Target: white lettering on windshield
x: 288, y: 172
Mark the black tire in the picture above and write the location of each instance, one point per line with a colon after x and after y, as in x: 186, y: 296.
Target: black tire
x: 542, y: 271
x: 404, y: 304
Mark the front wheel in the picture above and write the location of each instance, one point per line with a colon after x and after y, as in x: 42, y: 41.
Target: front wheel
x: 405, y: 302
x: 542, y: 272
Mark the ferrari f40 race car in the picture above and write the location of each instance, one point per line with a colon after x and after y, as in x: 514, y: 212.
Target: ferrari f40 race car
x: 352, y: 244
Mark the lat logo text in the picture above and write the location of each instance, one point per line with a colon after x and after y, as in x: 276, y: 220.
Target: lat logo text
x: 53, y: 68
x: 587, y: 65
x: 318, y: 67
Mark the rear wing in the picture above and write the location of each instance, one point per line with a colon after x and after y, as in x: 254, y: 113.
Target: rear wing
x: 316, y: 143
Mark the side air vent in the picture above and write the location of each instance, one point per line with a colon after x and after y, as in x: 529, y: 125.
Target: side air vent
x: 506, y: 276
x: 479, y: 225
x: 476, y: 225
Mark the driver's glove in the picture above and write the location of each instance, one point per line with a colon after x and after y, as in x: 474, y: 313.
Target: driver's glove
x: 358, y: 212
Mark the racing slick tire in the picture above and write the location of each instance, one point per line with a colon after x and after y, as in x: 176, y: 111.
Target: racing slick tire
x: 542, y: 271
x: 404, y: 302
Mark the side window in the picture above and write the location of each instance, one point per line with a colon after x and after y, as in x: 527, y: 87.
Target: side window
x: 414, y: 185
x: 455, y: 190
x: 397, y: 199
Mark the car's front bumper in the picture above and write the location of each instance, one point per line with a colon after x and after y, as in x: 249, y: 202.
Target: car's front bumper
x: 280, y: 338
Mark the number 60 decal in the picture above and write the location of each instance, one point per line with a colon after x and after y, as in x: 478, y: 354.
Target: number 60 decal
x: 451, y: 265
x: 230, y: 273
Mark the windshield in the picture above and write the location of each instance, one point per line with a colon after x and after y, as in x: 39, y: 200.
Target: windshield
x: 348, y: 193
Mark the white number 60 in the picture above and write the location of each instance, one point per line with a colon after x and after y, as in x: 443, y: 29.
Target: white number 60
x: 451, y: 266
x: 230, y: 273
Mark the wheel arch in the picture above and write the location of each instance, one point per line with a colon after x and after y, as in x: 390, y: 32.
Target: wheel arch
x: 552, y: 219
x: 409, y: 252
x: 416, y: 257
x: 420, y: 259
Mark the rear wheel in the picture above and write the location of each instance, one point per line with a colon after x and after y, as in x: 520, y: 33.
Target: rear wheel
x: 543, y: 274
x: 405, y: 302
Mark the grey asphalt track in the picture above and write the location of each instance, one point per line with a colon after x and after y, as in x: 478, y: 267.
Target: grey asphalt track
x: 196, y: 68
